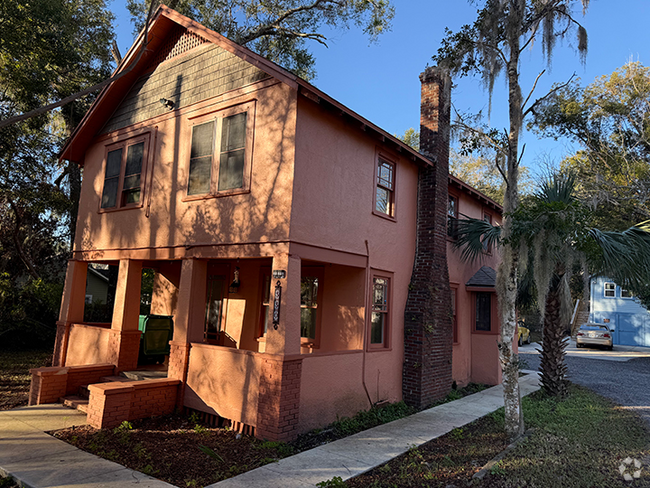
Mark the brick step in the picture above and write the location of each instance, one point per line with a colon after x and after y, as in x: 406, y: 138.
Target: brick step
x: 77, y: 402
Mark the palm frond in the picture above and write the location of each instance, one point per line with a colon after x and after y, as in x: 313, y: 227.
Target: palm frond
x: 557, y: 187
x: 626, y: 255
x: 474, y: 237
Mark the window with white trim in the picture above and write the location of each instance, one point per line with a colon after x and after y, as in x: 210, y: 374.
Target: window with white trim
x: 626, y: 293
x: 610, y: 290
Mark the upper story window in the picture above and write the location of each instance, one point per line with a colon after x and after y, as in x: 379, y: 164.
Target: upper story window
x: 123, y: 173
x: 385, y: 189
x: 610, y: 290
x: 452, y: 217
x: 626, y: 293
x: 220, y: 152
x: 486, y: 247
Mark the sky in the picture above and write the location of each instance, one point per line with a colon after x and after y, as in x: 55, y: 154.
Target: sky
x: 380, y: 81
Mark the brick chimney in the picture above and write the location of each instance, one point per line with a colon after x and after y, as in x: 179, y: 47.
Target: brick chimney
x: 428, y: 337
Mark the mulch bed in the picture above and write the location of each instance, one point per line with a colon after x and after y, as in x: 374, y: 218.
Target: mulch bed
x: 447, y: 462
x: 170, y: 448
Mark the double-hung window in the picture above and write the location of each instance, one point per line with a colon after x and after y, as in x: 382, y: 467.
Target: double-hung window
x: 610, y: 290
x: 483, y: 315
x: 452, y: 217
x: 380, y: 312
x: 220, y: 152
x: 385, y: 189
x: 123, y: 170
x: 311, y: 298
x: 487, y: 248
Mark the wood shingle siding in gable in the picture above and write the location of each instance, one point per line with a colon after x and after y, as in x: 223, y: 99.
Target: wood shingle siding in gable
x: 205, y: 72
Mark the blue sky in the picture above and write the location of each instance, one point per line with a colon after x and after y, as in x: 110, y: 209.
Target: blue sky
x: 380, y: 81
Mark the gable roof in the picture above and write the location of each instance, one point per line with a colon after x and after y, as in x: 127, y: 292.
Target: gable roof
x: 139, y: 57
x: 473, y: 192
x: 485, y: 277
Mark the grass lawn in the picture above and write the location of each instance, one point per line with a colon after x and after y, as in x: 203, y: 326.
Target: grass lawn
x: 578, y: 442
x: 15, y: 377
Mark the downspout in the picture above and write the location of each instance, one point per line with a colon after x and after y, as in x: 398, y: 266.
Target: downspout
x: 365, y: 325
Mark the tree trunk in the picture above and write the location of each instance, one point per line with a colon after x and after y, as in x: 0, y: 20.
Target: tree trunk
x: 507, y: 275
x: 552, y: 366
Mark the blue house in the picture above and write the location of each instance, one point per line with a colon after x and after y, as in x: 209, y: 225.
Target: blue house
x: 617, y: 307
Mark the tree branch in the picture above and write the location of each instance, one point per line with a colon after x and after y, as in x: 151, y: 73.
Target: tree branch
x: 272, y: 28
x: 75, y: 96
x: 551, y: 92
x: 532, y: 90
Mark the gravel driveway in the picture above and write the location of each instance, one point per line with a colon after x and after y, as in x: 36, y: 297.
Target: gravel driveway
x: 625, y: 382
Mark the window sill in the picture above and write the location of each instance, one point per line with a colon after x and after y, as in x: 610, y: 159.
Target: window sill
x: 384, y: 216
x: 485, y: 332
x: 379, y: 349
x: 119, y: 209
x: 207, y: 196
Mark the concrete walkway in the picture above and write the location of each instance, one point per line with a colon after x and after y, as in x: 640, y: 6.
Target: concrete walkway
x: 38, y: 460
x: 361, y: 452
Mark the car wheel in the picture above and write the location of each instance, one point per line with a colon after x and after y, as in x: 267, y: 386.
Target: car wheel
x: 579, y: 345
x: 520, y: 342
x: 527, y: 341
x: 610, y: 348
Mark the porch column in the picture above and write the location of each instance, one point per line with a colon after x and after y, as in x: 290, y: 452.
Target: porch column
x: 189, y: 319
x: 72, y: 308
x: 286, y: 339
x: 278, y: 409
x: 124, y: 342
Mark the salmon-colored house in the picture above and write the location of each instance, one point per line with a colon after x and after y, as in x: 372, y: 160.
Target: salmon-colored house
x: 473, y: 292
x: 301, y: 250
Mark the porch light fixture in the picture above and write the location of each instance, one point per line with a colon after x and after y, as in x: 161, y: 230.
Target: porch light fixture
x: 167, y: 103
x: 234, y: 286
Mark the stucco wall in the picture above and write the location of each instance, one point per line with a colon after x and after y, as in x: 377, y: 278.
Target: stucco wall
x: 87, y: 345
x: 334, y: 186
x: 223, y: 381
x: 470, y: 355
x: 166, y: 221
x: 330, y: 386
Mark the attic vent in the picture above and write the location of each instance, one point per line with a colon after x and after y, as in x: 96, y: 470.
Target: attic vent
x: 178, y: 43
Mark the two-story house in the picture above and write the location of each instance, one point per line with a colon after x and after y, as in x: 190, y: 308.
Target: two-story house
x: 300, y: 249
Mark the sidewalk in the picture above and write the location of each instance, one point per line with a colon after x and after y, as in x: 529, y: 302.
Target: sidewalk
x: 361, y: 452
x: 38, y: 460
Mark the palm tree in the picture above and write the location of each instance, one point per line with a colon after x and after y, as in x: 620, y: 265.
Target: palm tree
x: 551, y: 227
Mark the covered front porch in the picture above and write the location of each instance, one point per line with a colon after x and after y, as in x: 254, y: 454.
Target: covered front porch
x: 256, y: 339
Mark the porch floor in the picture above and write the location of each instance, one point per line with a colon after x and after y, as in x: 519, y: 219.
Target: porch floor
x: 147, y: 372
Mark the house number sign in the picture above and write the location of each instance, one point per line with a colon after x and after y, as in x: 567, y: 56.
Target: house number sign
x: 277, y: 297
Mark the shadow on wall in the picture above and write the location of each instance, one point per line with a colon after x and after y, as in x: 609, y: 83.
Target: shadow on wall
x: 225, y: 381
x: 258, y: 215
